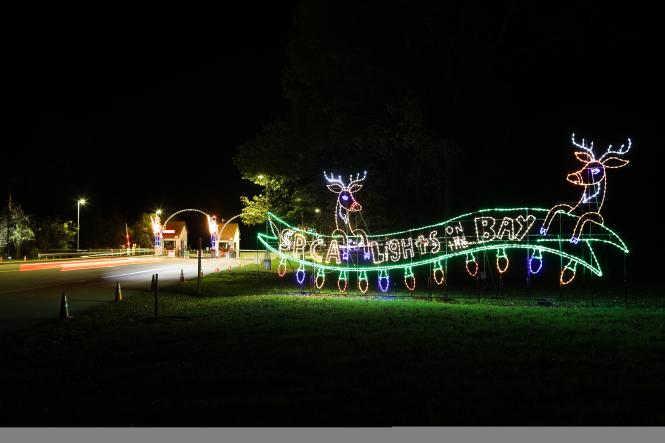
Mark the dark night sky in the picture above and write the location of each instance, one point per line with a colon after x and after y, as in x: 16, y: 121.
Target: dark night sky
x: 103, y: 102
x: 106, y: 104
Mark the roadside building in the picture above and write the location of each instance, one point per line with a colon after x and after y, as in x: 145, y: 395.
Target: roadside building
x: 229, y: 239
x: 174, y: 238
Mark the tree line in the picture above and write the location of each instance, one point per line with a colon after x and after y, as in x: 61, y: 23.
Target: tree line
x: 23, y: 235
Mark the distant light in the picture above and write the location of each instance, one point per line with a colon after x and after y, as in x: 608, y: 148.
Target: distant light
x: 260, y: 176
x: 81, y: 201
x: 317, y: 210
x: 158, y: 212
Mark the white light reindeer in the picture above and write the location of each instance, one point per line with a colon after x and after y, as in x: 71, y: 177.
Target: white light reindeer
x: 346, y: 203
x: 592, y: 177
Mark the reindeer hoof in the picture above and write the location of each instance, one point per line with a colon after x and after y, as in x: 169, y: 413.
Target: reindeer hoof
x: 543, y: 230
x: 574, y: 240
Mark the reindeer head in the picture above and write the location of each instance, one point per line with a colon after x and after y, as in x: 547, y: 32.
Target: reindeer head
x: 345, y: 198
x: 593, y: 171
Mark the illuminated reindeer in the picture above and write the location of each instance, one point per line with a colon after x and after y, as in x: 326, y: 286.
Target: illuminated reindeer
x: 592, y: 178
x: 346, y: 202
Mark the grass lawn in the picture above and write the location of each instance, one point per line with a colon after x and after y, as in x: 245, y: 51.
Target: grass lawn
x: 267, y: 359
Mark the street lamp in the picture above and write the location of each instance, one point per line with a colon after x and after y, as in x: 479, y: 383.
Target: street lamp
x: 80, y: 202
x: 318, y: 218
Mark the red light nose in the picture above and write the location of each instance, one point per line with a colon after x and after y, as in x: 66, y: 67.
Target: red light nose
x: 355, y: 206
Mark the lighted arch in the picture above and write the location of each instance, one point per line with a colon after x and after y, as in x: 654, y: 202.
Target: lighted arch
x: 212, y: 226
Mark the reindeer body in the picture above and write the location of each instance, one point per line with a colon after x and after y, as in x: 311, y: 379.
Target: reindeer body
x: 594, y: 180
x: 346, y: 203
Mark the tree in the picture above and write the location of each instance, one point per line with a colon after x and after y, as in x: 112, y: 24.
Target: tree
x: 15, y: 228
x: 141, y: 231
x: 358, y: 101
x: 53, y: 233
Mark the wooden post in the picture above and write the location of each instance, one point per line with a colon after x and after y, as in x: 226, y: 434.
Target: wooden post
x: 198, y: 274
x: 156, y: 292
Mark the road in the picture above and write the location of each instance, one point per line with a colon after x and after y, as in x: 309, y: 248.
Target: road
x: 31, y: 292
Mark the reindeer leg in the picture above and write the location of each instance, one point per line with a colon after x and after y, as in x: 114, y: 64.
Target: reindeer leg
x: 584, y: 218
x: 364, y: 241
x: 550, y: 216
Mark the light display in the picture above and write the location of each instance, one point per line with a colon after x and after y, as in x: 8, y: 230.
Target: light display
x: 537, y: 257
x: 158, y: 229
x: 320, y: 278
x: 438, y: 273
x: 281, y: 268
x: 593, y: 179
x: 349, y: 249
x: 502, y: 261
x: 157, y: 232
x: 383, y: 280
x: 300, y: 274
x: 363, y: 284
x: 214, y: 234
x: 471, y: 265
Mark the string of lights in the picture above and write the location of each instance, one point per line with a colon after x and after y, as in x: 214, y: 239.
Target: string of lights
x: 352, y: 250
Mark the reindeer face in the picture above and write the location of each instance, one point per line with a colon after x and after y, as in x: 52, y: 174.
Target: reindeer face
x: 592, y: 173
x: 348, y: 202
x: 345, y: 197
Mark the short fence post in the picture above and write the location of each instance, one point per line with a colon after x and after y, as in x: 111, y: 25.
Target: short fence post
x: 198, y: 274
x: 156, y: 292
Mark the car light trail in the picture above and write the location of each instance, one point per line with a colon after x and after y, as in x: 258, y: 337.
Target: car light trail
x: 78, y: 265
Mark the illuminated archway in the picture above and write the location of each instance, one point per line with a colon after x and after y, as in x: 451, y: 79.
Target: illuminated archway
x: 158, y: 229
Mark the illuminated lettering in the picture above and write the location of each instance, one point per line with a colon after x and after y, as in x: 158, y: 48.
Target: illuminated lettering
x: 392, y: 247
x: 506, y: 227
x: 485, y: 229
x: 407, y: 248
x: 436, y: 246
x: 314, y: 250
x: 333, y: 252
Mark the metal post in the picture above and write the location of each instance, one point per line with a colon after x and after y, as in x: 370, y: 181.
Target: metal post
x: 78, y: 224
x: 198, y: 275
x: 625, y: 282
x: 156, y: 292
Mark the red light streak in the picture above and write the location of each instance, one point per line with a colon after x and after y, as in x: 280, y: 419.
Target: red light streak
x: 84, y: 264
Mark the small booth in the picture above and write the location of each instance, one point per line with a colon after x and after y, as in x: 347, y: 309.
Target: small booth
x: 229, y: 240
x: 174, y: 238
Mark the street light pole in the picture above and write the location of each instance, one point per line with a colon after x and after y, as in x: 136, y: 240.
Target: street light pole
x: 81, y: 201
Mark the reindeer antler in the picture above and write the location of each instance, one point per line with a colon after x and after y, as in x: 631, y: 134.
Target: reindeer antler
x: 588, y: 149
x: 357, y: 179
x: 332, y: 179
x: 622, y: 150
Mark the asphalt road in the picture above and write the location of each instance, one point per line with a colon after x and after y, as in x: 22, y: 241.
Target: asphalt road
x: 31, y: 292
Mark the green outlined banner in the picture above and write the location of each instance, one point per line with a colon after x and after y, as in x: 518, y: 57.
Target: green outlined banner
x: 497, y: 230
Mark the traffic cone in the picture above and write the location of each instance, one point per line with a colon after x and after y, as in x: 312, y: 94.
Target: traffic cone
x: 64, y: 310
x: 118, y: 293
x: 152, y: 283
x: 182, y: 276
